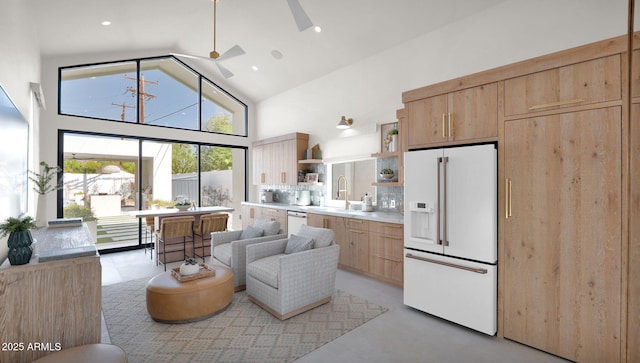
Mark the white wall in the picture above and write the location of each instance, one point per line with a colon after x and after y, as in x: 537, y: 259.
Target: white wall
x: 370, y: 91
x: 19, y: 65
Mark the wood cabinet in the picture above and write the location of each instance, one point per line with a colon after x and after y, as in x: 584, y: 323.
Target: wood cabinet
x: 464, y: 115
x: 562, y: 233
x: 385, y: 251
x: 356, y: 247
x: 579, y: 84
x: 273, y: 214
x: 275, y: 160
x: 250, y: 213
x: 369, y: 248
x: 55, y: 303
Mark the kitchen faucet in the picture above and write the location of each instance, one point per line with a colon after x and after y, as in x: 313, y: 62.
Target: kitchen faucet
x: 346, y: 199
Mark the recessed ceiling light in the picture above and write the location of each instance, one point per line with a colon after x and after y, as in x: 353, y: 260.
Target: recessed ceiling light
x: 317, y: 29
x: 276, y: 54
x: 106, y: 22
x: 255, y: 68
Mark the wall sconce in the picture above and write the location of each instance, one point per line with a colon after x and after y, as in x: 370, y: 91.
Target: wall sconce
x: 344, y: 123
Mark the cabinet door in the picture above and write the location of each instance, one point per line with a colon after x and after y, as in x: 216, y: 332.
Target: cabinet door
x: 357, y: 233
x: 249, y: 215
x: 336, y: 224
x: 577, y: 84
x: 426, y: 121
x: 563, y: 238
x: 473, y: 113
x: 258, y: 165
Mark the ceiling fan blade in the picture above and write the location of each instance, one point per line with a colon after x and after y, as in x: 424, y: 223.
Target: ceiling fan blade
x: 234, y: 51
x: 191, y: 56
x: 302, y: 20
x: 224, y: 71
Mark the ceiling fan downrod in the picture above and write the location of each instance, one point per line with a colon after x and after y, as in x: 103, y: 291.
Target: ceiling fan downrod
x: 214, y: 54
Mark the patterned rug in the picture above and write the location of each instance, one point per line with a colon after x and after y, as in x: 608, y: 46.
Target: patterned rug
x: 242, y: 332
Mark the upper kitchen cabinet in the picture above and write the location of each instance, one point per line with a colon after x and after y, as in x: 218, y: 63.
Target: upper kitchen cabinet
x: 465, y: 115
x: 580, y: 84
x: 275, y: 160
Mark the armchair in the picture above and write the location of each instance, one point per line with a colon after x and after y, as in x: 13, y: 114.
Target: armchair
x: 228, y: 249
x: 286, y: 285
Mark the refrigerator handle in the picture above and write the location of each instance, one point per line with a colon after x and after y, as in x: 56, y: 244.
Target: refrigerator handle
x: 445, y: 242
x: 448, y: 264
x: 438, y: 210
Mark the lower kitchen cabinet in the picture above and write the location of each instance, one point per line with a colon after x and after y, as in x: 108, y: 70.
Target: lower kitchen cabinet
x: 369, y: 248
x: 356, y: 248
x: 251, y: 213
x: 385, y: 252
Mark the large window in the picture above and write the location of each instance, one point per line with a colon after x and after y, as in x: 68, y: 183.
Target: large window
x: 157, y: 91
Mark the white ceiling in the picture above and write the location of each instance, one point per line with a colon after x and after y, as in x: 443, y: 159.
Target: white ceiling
x: 351, y: 31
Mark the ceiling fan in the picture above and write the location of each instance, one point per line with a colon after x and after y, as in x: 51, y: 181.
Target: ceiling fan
x: 214, y: 56
x: 299, y: 15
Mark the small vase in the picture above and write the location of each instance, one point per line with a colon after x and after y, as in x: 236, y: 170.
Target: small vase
x: 41, y: 211
x: 186, y: 270
x: 19, y: 239
x: 20, y: 255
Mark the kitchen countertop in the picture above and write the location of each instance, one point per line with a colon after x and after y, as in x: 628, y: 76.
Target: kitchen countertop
x: 387, y: 217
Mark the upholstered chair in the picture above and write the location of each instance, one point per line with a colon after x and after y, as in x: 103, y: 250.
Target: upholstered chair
x: 290, y: 276
x: 229, y: 248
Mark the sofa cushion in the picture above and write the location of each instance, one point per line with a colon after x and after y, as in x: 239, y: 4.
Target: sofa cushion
x: 251, y: 232
x: 222, y: 253
x: 298, y: 244
x: 266, y: 270
x: 322, y: 236
x: 270, y: 227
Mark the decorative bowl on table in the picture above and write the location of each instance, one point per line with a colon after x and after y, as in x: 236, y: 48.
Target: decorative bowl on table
x: 183, y: 207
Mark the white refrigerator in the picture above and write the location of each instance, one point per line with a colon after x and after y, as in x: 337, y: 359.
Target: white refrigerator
x: 450, y: 242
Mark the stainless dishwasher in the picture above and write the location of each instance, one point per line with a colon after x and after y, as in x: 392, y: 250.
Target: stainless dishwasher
x: 295, y: 220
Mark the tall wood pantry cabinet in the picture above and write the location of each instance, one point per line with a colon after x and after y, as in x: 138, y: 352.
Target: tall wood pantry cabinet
x: 562, y: 235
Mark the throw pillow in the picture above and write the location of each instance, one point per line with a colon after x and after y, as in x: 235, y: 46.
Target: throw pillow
x: 298, y: 244
x: 251, y: 232
x: 270, y: 228
x: 322, y: 236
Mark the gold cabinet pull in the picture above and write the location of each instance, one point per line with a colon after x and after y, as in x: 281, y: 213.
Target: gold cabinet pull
x: 554, y: 104
x: 251, y: 215
x: 283, y: 177
x: 507, y: 198
x: 450, y: 129
x: 444, y: 127
x: 262, y: 177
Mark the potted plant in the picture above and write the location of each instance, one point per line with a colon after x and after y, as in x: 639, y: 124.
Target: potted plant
x: 20, y: 239
x: 387, y: 174
x: 47, y: 180
x: 183, y: 204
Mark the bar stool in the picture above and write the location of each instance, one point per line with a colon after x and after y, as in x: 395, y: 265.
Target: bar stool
x: 149, y: 231
x: 173, y: 228
x: 214, y: 222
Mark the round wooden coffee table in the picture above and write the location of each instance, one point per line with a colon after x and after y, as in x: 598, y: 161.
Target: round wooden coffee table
x: 172, y: 301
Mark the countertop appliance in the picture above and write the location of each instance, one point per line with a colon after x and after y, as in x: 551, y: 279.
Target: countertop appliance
x: 303, y: 197
x: 450, y: 241
x: 266, y: 196
x: 295, y: 220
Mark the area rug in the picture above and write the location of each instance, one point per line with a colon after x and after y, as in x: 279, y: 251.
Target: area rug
x: 243, y: 332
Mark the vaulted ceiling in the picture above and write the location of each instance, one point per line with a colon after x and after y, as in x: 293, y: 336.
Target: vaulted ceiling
x: 352, y: 30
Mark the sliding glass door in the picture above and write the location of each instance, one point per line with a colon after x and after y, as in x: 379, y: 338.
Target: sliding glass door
x: 109, y: 177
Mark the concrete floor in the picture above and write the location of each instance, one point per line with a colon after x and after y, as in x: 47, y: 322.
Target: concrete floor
x: 402, y: 334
